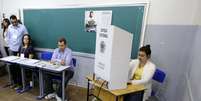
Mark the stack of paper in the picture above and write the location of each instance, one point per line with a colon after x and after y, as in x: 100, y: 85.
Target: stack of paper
x: 10, y: 58
x: 30, y: 62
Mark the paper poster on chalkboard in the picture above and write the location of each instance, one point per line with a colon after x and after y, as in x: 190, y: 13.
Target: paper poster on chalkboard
x: 97, y: 18
x: 90, y: 21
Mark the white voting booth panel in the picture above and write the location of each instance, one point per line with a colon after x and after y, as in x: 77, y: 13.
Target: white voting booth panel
x: 113, y: 51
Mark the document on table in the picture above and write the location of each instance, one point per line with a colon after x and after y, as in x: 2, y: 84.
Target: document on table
x: 10, y: 58
x: 49, y: 66
x: 30, y: 62
x: 19, y: 60
x: 42, y: 64
x: 56, y: 67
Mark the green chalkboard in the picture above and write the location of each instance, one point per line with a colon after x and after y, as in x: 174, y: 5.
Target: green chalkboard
x: 47, y: 25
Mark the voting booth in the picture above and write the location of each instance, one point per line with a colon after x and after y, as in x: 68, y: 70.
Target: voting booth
x: 112, y: 55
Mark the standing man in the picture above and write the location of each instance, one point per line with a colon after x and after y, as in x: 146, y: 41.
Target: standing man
x: 62, y: 56
x: 14, y: 36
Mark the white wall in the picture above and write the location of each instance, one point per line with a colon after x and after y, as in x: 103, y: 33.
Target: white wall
x: 197, y: 17
x: 162, y: 12
x: 84, y: 67
x: 194, y: 70
x: 172, y: 12
x: 1, y: 8
x: 9, y: 7
x: 171, y: 46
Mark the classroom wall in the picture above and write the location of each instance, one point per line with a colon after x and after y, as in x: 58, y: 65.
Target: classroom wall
x: 198, y: 14
x: 1, y: 8
x: 170, y: 46
x: 172, y: 12
x: 171, y: 31
x: 194, y: 71
x: 177, y: 12
x: 83, y: 68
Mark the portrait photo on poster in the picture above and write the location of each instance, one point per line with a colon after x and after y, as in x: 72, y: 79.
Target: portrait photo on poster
x: 90, y: 21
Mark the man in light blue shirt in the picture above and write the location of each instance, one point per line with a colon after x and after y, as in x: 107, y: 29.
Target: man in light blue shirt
x: 62, y: 56
x: 14, y: 36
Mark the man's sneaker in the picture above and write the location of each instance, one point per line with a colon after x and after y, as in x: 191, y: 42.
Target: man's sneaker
x: 50, y: 96
x: 13, y: 86
x: 18, y: 87
x: 58, y: 98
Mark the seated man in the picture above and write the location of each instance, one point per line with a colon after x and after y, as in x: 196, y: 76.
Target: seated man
x: 63, y: 56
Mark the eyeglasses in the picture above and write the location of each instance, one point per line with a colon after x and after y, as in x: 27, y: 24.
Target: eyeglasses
x: 14, y: 21
x: 61, y: 45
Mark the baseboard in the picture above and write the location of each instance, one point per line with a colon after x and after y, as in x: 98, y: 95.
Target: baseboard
x: 75, y: 84
x: 189, y: 88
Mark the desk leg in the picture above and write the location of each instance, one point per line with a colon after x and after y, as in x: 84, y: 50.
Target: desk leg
x: 23, y: 79
x: 41, y: 85
x: 33, y: 75
x: 117, y: 98
x: 63, y: 85
x: 142, y: 95
x: 9, y: 74
x: 88, y: 90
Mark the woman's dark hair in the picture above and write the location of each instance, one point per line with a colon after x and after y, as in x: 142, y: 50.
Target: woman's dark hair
x: 29, y: 37
x: 5, y: 27
x: 19, y: 21
x: 147, y: 50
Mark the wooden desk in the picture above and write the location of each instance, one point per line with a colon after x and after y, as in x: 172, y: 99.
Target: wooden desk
x: 111, y: 95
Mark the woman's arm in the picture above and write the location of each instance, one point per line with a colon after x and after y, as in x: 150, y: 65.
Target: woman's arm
x: 31, y: 52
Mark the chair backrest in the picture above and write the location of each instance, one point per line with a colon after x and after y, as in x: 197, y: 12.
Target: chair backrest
x: 74, y: 62
x: 159, y: 76
x: 46, y: 56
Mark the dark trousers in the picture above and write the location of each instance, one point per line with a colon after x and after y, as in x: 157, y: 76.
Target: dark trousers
x: 15, y: 71
x: 137, y: 96
x: 7, y: 52
x: 49, y: 82
x: 28, y: 75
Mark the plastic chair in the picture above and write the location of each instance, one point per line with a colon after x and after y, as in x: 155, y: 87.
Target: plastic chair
x: 159, y: 77
x: 46, y: 56
x: 74, y: 62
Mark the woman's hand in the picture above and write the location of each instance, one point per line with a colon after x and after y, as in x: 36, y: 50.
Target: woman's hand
x: 129, y: 82
x: 31, y: 56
